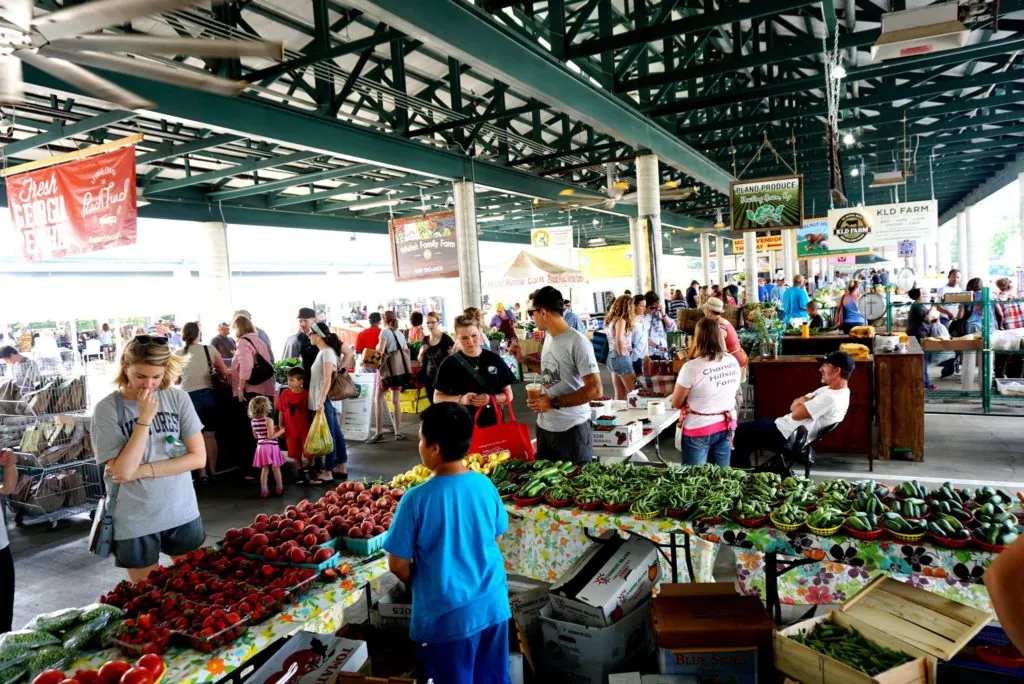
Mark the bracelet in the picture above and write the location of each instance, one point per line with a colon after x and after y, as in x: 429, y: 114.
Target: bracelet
x: 142, y: 424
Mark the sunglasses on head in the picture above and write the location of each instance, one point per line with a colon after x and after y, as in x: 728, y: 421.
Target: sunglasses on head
x: 150, y: 339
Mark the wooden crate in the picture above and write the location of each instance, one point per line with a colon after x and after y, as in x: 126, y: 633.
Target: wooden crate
x: 956, y: 344
x: 892, y: 614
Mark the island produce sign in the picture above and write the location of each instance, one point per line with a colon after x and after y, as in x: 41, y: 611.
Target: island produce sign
x: 767, y: 203
x: 79, y: 206
x: 424, y: 247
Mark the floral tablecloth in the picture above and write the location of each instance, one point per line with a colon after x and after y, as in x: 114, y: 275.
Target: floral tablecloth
x: 543, y: 542
x: 321, y: 611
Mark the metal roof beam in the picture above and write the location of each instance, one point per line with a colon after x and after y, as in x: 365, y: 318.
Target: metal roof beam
x: 356, y: 188
x: 271, y: 73
x: 61, y: 130
x: 468, y: 35
x: 285, y: 183
x: 487, y: 116
x: 167, y: 150
x: 694, y: 24
x: 247, y: 167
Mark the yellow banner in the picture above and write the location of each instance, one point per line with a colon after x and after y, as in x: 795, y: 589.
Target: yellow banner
x: 614, y: 261
x: 765, y: 243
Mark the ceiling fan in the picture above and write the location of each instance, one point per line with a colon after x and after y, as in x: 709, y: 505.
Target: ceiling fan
x: 670, y: 192
x: 59, y: 42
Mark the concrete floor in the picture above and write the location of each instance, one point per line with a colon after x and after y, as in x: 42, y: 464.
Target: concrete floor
x: 54, y: 569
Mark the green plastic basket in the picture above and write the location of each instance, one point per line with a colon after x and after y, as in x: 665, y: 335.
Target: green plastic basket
x: 365, y: 547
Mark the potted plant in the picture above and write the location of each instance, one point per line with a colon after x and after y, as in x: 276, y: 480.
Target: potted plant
x: 495, y: 339
x: 767, y: 337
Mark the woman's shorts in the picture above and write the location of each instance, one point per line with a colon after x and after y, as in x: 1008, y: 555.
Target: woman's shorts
x: 205, y: 403
x: 620, y: 365
x: 142, y: 552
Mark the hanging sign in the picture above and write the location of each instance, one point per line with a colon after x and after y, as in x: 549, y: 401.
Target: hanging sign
x: 424, y: 247
x: 907, y: 249
x: 551, y: 237
x: 812, y: 242
x: 882, y: 224
x: 765, y: 243
x: 767, y: 203
x: 81, y: 206
x: 613, y: 261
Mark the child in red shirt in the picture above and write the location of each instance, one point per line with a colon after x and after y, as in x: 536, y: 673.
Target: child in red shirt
x: 293, y: 409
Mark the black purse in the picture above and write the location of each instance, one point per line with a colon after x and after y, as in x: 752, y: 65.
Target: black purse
x: 261, y: 368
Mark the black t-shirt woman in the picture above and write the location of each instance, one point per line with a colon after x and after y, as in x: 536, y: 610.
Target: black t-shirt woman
x: 437, y: 345
x: 472, y: 375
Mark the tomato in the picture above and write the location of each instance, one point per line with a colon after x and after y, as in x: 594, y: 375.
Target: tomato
x: 137, y: 675
x: 112, y: 671
x: 88, y: 676
x: 151, y: 662
x: 70, y: 681
x: 49, y: 677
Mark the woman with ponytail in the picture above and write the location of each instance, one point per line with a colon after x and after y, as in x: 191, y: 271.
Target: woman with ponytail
x: 199, y: 363
x: 330, y: 358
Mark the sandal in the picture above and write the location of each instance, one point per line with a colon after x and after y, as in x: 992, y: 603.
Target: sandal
x: 379, y: 437
x: 400, y: 437
x: 338, y: 475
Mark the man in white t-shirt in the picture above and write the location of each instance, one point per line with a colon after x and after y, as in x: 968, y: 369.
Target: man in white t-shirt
x: 949, y: 311
x: 824, y: 406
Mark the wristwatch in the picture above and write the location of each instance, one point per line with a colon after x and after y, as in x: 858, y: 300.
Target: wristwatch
x: 556, y: 403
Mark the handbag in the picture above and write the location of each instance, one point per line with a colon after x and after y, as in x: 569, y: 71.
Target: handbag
x: 221, y: 386
x: 372, y: 359
x: 261, y: 368
x: 342, y: 386
x: 101, y: 536
x: 511, y: 435
x: 391, y: 374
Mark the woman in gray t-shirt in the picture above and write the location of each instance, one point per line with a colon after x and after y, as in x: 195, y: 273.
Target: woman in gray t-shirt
x: 136, y: 432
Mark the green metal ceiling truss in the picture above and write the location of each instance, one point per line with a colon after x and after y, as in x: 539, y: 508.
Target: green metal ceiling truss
x: 383, y: 102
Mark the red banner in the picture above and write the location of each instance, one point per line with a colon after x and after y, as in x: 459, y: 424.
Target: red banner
x: 81, y: 206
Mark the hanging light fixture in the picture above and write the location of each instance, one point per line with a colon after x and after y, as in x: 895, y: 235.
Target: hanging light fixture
x: 848, y: 139
x: 854, y: 172
x: 839, y: 72
x: 719, y: 223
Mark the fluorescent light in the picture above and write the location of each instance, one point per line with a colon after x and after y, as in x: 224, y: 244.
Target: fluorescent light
x: 854, y: 171
x: 678, y: 250
x: 848, y: 139
x: 499, y: 217
x: 595, y: 242
x: 374, y: 205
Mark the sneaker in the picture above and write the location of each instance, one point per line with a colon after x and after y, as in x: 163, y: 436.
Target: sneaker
x: 264, y: 493
x: 930, y: 387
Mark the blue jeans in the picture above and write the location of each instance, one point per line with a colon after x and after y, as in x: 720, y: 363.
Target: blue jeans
x: 480, y: 658
x: 715, y: 447
x: 340, y: 453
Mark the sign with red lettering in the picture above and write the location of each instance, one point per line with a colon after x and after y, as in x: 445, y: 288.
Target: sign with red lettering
x: 424, y: 247
x: 81, y: 206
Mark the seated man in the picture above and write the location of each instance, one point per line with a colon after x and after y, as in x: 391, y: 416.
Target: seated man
x: 822, y: 407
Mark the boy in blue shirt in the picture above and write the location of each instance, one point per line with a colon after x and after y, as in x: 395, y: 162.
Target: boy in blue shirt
x: 443, y: 544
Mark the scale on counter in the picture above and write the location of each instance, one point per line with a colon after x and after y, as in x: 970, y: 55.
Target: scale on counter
x: 872, y: 307
x: 906, y: 279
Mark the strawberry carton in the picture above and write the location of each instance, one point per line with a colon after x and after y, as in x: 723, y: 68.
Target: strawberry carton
x: 314, y: 658
x: 618, y: 436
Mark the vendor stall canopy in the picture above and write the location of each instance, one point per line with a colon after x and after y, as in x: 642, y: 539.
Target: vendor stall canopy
x: 528, y: 270
x: 376, y: 105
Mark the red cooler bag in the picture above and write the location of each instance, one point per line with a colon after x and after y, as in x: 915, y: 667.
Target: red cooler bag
x: 510, y: 435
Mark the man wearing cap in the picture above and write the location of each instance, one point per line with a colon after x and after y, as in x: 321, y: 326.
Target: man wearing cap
x: 825, y: 406
x: 780, y: 288
x: 298, y: 346
x: 260, y: 332
x: 713, y: 309
x: 223, y: 343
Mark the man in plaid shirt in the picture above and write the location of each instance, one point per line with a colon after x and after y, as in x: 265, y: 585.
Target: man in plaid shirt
x: 1013, y: 312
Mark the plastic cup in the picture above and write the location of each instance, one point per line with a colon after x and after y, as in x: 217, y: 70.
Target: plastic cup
x: 534, y: 390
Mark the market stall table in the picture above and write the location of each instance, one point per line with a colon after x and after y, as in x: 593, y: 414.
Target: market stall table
x: 543, y: 542
x: 321, y: 611
x: 657, y: 425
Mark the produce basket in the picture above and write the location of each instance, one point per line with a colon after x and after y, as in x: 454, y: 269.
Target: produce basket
x: 526, y: 500
x: 824, y: 531
x: 783, y: 527
x: 138, y: 650
x: 557, y: 503
x: 362, y: 547
x: 588, y: 506
x: 717, y: 520
x: 750, y: 522
x: 907, y: 538
x: 677, y: 513
x: 984, y: 546
x: 948, y: 543
x: 616, y: 508
x: 212, y: 642
x: 650, y: 515
x: 871, y: 535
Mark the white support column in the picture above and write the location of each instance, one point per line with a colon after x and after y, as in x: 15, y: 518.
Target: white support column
x: 638, y: 241
x: 962, y: 260
x: 467, y: 243
x: 705, y: 259
x: 648, y: 201
x: 720, y: 255
x: 788, y: 262
x: 823, y: 266
x: 927, y: 256
x: 919, y: 257
x: 980, y: 245
x: 1020, y: 262
x: 944, y: 247
x: 750, y: 261
x: 214, y: 277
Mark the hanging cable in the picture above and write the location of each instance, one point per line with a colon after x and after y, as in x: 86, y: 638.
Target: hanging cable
x: 931, y: 177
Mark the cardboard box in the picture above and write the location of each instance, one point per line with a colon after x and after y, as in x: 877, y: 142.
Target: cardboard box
x: 576, y: 654
x: 892, y: 614
x: 955, y: 344
x: 345, y: 678
x: 640, y: 402
x: 318, y: 656
x: 526, y: 598
x: 607, y: 582
x: 694, y: 619
x: 737, y: 665
x: 637, y: 678
x: 392, y: 611
x: 619, y: 436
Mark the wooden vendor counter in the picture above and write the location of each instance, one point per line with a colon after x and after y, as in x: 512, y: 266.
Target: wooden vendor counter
x: 887, y: 391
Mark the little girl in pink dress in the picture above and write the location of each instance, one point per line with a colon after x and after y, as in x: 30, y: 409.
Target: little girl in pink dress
x: 268, y: 453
